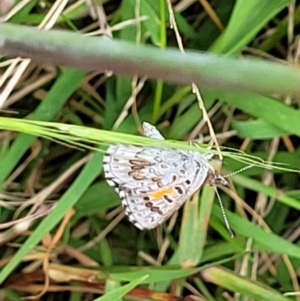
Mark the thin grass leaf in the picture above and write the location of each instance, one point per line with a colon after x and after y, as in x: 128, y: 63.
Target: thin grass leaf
x: 194, y: 228
x: 122, y: 291
x: 229, y: 280
x: 264, y: 241
x: 73, y: 134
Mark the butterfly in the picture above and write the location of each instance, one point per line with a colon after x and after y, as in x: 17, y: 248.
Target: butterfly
x: 154, y: 182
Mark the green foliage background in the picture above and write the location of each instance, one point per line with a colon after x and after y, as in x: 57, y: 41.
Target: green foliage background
x: 246, y: 75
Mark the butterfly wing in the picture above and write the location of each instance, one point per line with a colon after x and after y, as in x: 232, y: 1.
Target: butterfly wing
x: 146, y: 214
x: 151, y: 131
x: 153, y: 182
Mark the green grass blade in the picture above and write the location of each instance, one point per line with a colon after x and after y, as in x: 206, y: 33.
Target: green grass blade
x: 264, y: 241
x: 122, y: 291
x: 207, y: 70
x: 155, y: 274
x: 225, y: 278
x: 267, y: 190
x: 247, y: 19
x: 283, y: 116
x: 194, y: 228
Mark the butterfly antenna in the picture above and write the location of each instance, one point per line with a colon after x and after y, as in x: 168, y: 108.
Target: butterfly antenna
x: 238, y: 171
x: 223, y: 213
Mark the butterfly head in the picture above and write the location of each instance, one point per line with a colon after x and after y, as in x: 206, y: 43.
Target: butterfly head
x: 215, y: 179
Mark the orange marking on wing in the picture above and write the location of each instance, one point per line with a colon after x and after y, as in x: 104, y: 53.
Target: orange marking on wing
x: 156, y: 195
